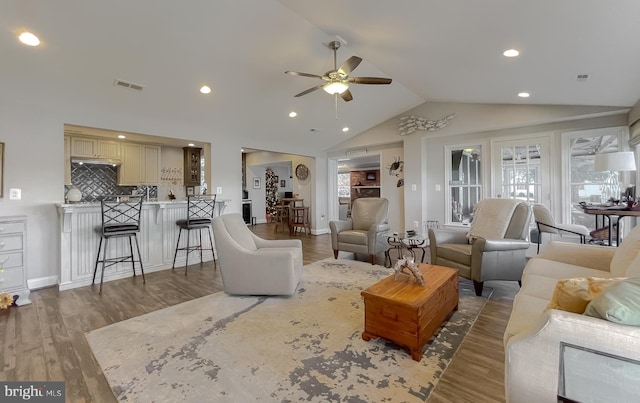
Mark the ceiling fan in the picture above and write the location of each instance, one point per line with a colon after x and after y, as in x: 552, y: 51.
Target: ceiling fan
x: 337, y: 80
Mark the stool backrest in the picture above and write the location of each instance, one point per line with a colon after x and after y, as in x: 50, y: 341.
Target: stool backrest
x: 200, y: 207
x: 121, y: 213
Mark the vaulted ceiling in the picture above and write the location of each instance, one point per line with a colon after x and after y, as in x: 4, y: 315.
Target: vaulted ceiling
x: 433, y: 50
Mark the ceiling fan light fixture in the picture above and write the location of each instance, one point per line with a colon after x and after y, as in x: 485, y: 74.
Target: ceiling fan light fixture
x: 335, y: 87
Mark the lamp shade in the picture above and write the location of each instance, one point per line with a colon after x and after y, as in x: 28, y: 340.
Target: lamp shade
x: 336, y: 87
x: 620, y: 161
x: 74, y: 195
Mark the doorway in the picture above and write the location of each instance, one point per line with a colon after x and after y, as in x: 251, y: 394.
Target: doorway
x: 355, y: 177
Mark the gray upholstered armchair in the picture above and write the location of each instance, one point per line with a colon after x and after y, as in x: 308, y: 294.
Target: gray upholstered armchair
x: 496, y: 247
x: 250, y: 265
x: 363, y: 234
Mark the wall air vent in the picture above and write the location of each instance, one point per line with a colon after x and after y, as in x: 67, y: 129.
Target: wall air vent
x: 127, y: 84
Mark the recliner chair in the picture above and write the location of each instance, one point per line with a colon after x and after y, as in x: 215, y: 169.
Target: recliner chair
x: 250, y: 265
x: 363, y: 233
x: 486, y: 258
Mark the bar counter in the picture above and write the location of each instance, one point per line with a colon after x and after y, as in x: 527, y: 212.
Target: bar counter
x: 157, y: 239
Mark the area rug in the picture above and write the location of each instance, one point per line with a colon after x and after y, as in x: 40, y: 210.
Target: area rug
x: 307, y: 347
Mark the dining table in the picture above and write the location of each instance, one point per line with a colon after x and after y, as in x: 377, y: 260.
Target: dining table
x: 613, y: 214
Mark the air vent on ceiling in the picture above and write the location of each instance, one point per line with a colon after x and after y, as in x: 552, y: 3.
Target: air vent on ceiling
x: 127, y: 84
x: 582, y: 77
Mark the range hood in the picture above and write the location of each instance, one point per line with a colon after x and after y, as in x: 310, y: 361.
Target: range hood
x: 96, y: 161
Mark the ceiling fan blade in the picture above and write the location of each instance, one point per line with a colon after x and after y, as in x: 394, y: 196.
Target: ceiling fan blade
x: 350, y: 65
x: 346, y: 96
x: 369, y: 80
x: 317, y: 87
x: 296, y: 73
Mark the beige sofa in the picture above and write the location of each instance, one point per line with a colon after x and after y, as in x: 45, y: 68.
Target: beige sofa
x: 533, y: 334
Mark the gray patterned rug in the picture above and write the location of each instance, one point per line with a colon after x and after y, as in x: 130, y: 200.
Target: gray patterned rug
x: 307, y: 347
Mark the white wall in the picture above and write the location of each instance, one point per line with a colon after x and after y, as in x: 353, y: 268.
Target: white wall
x: 389, y: 188
x: 424, y: 151
x: 172, y: 158
x: 32, y: 128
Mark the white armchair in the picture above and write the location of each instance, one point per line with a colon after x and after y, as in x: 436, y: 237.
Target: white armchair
x: 250, y: 265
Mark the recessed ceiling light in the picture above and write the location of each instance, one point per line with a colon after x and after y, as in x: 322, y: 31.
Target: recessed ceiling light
x: 292, y: 114
x: 205, y: 89
x: 511, y: 53
x: 191, y: 145
x: 345, y: 129
x: 29, y: 39
x: 524, y: 94
x: 122, y: 136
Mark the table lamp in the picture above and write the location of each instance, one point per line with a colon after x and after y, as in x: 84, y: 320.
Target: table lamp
x: 614, y: 163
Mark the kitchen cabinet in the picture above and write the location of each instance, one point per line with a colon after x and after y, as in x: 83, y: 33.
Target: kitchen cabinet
x: 94, y: 148
x: 13, y: 274
x: 67, y: 160
x: 192, y: 166
x: 140, y: 165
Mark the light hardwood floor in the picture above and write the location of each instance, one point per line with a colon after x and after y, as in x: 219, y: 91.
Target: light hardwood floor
x: 45, y: 340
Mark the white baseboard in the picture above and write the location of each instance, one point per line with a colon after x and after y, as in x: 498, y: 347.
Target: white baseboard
x: 42, y: 282
x: 320, y: 231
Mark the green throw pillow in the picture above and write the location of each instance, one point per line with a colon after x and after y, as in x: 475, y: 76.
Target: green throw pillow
x: 618, y: 303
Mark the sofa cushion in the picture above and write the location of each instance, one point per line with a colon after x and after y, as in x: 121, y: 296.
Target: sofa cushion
x: 618, y: 303
x: 626, y: 254
x: 524, y: 314
x: 459, y: 253
x: 355, y: 237
x: 574, y: 294
x: 539, y: 286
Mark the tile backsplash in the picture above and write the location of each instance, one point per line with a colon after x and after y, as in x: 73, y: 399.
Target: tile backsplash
x: 97, y: 180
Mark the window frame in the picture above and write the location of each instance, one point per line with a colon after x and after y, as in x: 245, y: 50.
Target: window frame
x: 482, y: 177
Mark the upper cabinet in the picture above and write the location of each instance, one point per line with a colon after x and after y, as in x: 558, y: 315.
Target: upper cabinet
x: 192, y: 167
x: 94, y: 148
x: 67, y: 160
x: 140, y: 165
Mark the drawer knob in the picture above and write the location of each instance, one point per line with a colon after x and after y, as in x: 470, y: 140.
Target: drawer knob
x: 1, y: 229
x: 1, y: 244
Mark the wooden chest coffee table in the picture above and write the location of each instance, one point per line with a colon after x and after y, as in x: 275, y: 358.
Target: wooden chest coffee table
x: 407, y: 313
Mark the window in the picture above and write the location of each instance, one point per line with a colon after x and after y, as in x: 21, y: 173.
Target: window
x: 586, y: 185
x: 464, y: 172
x: 521, y: 172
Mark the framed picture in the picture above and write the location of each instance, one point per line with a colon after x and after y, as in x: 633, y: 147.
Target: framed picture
x: 191, y: 190
x: 275, y: 179
x: 283, y: 183
x: 1, y: 169
x: 256, y: 183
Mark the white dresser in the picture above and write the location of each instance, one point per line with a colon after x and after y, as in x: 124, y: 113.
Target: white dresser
x: 13, y: 245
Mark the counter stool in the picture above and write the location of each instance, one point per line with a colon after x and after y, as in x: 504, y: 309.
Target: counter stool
x: 200, y: 211
x: 299, y: 218
x: 282, y: 217
x: 120, y: 218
